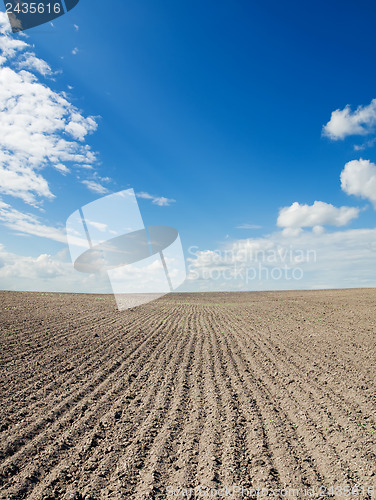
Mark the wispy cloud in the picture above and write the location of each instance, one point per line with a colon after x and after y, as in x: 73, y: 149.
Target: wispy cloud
x: 61, y: 168
x: 365, y: 145
x: 161, y: 201
x: 75, y: 51
x: 95, y: 187
x: 248, y: 226
x: 29, y: 224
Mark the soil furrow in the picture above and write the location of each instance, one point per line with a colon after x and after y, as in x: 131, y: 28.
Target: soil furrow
x: 253, y: 390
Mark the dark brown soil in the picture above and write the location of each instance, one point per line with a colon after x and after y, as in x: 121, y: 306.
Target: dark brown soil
x: 256, y: 390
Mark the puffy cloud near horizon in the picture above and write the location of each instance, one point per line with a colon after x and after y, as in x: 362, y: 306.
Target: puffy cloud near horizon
x: 345, y: 122
x: 309, y: 260
x: 47, y: 273
x: 317, y: 215
x: 39, y: 127
x: 342, y: 259
x: 358, y: 178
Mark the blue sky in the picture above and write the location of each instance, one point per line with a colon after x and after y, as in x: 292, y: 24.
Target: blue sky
x: 219, y: 106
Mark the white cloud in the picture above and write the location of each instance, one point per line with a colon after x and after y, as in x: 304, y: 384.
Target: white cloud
x: 295, y: 231
x: 75, y: 51
x: 318, y: 214
x: 79, y: 126
x: 21, y: 180
x: 344, y: 122
x: 62, y: 168
x: 76, y: 27
x: 8, y: 45
x: 161, y: 201
x: 95, y: 187
x: 31, y: 62
x: 359, y: 178
x: 39, y: 127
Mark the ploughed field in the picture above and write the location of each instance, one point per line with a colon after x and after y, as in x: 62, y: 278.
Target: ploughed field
x: 253, y: 390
